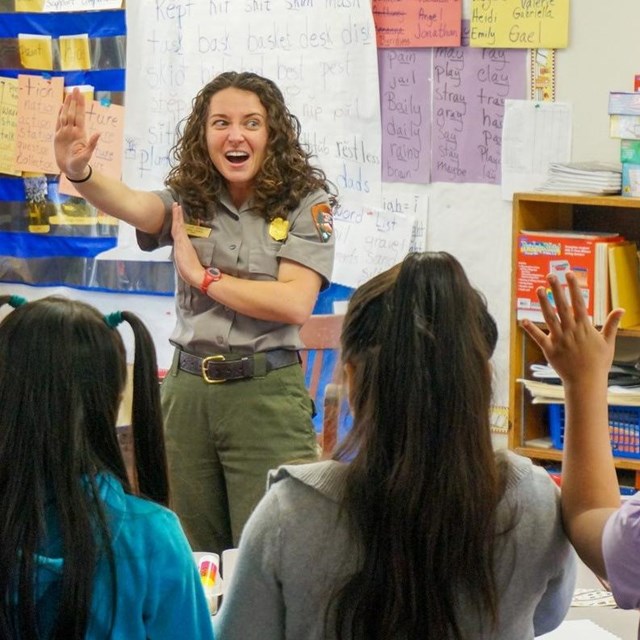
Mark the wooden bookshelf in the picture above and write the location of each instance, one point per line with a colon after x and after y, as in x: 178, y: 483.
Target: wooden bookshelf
x: 540, y: 211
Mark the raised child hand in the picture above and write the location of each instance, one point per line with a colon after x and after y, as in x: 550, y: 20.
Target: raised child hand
x: 572, y: 345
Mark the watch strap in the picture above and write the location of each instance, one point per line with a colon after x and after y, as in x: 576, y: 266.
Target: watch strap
x: 210, y: 275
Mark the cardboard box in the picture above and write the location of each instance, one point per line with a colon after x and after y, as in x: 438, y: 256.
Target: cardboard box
x: 558, y: 251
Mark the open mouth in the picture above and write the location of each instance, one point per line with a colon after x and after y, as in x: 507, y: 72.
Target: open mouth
x: 236, y: 157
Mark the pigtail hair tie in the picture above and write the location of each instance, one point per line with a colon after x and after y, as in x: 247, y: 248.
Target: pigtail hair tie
x: 114, y: 319
x: 17, y: 301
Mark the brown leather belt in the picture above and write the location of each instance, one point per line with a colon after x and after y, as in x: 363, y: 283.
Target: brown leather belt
x: 224, y: 367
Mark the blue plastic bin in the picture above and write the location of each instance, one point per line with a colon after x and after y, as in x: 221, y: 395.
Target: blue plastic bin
x: 624, y: 428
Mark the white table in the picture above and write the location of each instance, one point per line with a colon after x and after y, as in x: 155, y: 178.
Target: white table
x: 618, y: 621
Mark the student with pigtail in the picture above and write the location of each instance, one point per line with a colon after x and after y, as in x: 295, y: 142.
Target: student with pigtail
x: 80, y: 555
x: 417, y: 529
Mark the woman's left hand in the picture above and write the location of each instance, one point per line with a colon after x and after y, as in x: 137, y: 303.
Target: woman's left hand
x: 184, y: 254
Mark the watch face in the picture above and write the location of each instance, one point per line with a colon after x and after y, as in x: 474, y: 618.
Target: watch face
x: 210, y: 275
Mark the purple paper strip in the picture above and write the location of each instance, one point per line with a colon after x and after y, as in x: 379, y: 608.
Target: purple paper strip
x: 470, y: 86
x: 405, y: 94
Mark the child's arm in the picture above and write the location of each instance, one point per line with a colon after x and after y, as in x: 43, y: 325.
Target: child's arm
x: 582, y: 356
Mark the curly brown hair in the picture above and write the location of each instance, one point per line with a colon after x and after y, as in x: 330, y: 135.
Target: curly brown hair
x: 286, y: 175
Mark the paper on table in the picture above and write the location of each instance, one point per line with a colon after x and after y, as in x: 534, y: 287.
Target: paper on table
x: 534, y: 134
x: 583, y: 629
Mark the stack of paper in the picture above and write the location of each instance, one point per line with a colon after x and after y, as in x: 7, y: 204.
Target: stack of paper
x: 596, y: 178
x: 546, y: 393
x: 582, y: 629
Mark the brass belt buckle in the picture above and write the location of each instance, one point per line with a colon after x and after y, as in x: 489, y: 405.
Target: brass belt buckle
x: 206, y: 377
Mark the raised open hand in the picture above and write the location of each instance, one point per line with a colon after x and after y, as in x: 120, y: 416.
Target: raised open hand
x: 572, y: 345
x: 72, y: 148
x: 185, y: 256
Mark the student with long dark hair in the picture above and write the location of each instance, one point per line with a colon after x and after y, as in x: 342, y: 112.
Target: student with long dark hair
x: 80, y: 555
x: 604, y: 530
x: 417, y: 529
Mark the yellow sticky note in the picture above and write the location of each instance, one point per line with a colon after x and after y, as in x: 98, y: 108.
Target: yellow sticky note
x: 8, y: 125
x: 87, y: 90
x: 74, y: 52
x: 28, y: 6
x: 35, y: 52
x: 517, y: 24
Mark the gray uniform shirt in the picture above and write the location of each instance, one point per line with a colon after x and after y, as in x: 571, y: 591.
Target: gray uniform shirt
x: 296, y: 548
x: 242, y: 244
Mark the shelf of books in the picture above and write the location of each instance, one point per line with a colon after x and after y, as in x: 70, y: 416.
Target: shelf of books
x: 598, y: 238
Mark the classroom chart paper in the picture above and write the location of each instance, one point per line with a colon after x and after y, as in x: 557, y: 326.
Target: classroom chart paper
x: 470, y: 87
x: 534, y: 135
x: 405, y: 99
x: 323, y: 58
x: 8, y: 125
x: 443, y: 110
x: 369, y: 241
x: 39, y: 101
x: 409, y: 200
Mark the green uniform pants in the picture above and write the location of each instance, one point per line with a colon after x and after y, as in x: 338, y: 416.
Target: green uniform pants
x: 221, y: 441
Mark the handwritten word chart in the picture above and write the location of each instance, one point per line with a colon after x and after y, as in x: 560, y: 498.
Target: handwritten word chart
x: 39, y: 101
x: 405, y: 99
x: 323, y: 57
x: 369, y: 241
x: 8, y: 125
x: 470, y: 87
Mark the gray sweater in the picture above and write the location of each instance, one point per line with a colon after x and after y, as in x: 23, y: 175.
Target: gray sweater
x: 296, y: 549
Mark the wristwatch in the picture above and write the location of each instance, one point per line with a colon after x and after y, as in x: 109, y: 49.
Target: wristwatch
x: 212, y: 274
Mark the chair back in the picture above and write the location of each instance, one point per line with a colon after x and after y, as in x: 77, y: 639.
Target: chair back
x: 320, y: 362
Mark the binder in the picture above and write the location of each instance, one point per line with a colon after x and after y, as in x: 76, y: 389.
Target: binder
x: 624, y: 278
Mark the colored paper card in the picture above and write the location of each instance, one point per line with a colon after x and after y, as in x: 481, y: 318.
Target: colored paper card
x: 470, y: 87
x: 28, y: 6
x: 87, y: 90
x: 80, y: 5
x: 417, y: 23
x: 108, y: 121
x: 8, y: 125
x: 405, y: 106
x: 39, y: 101
x: 624, y: 277
x: 368, y: 241
x: 35, y: 51
x: 74, y: 52
x: 520, y: 24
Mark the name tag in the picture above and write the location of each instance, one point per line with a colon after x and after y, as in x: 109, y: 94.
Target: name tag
x: 197, y: 231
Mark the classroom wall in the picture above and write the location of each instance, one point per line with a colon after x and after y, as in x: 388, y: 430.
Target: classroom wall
x: 603, y: 55
x: 472, y: 221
